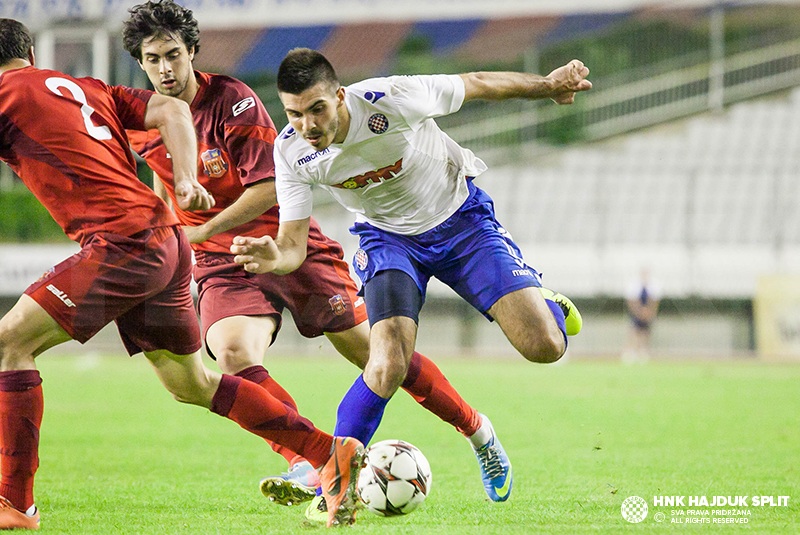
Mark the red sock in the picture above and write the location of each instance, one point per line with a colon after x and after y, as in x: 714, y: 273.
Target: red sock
x: 21, y: 409
x: 259, y: 375
x: 427, y: 384
x: 261, y: 413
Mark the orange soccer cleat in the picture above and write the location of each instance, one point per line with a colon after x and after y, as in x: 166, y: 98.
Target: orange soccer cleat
x: 13, y: 518
x: 338, y: 479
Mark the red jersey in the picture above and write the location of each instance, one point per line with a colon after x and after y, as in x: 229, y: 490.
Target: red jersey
x: 235, y: 136
x: 65, y: 138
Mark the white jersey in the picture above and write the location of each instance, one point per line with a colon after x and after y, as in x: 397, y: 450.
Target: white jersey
x: 643, y: 291
x: 396, y: 169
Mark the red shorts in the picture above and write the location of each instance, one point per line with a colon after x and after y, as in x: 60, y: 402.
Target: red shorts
x: 141, y: 282
x: 320, y: 294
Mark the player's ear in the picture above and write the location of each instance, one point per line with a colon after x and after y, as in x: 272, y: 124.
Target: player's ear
x: 191, y: 54
x: 340, y: 95
x: 32, y: 57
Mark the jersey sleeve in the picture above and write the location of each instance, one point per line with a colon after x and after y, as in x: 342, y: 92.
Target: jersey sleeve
x: 131, y: 105
x: 425, y: 97
x: 249, y: 135
x: 294, y: 195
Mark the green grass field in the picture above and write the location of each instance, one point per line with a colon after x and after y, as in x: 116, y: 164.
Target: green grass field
x: 119, y: 456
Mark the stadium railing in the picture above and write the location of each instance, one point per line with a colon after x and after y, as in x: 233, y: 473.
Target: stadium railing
x: 638, y: 99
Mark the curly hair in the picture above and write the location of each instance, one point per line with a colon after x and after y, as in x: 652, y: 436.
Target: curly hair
x: 159, y: 18
x: 15, y: 40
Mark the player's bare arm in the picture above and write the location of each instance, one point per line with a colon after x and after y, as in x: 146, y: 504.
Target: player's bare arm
x: 160, y: 190
x: 255, y: 200
x: 560, y: 85
x: 173, y: 120
x: 280, y: 255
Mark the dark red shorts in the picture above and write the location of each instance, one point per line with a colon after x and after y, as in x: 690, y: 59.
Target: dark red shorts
x: 142, y: 282
x: 320, y: 294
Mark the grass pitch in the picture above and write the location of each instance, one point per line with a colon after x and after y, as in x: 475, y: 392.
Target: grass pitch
x: 119, y: 456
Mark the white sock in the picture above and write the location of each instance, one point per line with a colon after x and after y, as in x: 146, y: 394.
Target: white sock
x: 483, y: 435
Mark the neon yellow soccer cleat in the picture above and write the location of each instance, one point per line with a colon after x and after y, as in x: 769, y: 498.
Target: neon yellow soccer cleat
x: 294, y: 487
x: 317, y: 510
x: 572, y: 317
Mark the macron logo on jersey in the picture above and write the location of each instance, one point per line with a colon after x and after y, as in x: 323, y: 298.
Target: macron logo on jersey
x: 289, y: 133
x: 243, y: 105
x: 313, y: 156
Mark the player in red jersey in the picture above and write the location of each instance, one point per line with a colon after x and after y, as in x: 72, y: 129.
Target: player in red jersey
x: 241, y: 313
x: 65, y: 138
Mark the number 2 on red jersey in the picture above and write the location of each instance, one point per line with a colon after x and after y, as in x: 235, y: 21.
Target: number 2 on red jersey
x: 55, y: 84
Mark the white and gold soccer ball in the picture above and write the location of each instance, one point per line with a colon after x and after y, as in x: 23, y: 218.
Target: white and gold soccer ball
x: 396, y: 478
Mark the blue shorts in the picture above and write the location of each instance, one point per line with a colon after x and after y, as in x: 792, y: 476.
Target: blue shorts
x: 470, y: 252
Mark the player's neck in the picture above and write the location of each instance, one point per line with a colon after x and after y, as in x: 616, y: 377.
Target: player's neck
x: 17, y: 63
x: 192, y: 87
x: 344, y: 124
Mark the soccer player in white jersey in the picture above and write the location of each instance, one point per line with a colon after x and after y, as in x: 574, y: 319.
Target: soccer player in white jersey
x: 376, y: 148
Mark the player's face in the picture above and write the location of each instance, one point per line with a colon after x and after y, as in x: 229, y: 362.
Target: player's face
x: 318, y: 114
x: 168, y: 64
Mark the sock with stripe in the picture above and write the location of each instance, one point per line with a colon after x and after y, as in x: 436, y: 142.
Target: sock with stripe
x: 430, y: 388
x: 261, y: 413
x: 258, y: 374
x: 21, y: 409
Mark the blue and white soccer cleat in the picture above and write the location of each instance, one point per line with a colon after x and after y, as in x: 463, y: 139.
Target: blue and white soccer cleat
x: 495, y: 467
x: 296, y: 486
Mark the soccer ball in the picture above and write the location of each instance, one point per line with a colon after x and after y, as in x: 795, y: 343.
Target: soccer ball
x: 396, y: 478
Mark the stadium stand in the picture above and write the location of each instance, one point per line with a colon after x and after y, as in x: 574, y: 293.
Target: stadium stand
x: 367, y: 49
x: 710, y: 197
x: 706, y: 199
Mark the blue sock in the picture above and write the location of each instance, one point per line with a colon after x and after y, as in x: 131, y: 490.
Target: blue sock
x: 558, y: 314
x: 360, y: 412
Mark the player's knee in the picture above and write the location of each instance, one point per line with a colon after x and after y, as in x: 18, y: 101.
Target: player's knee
x: 233, y: 358
x: 391, y: 376
x: 544, y: 349
x: 396, y: 371
x: 385, y: 378
x: 4, y: 354
x: 8, y: 350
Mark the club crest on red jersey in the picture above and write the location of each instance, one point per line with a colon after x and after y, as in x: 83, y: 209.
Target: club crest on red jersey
x: 337, y: 304
x: 214, y: 164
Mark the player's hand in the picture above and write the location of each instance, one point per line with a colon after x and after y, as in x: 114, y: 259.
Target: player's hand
x: 256, y: 255
x: 192, y: 196
x: 568, y: 80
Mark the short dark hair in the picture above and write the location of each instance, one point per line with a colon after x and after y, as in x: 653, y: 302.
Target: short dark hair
x: 159, y: 18
x: 303, y: 68
x: 15, y: 41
